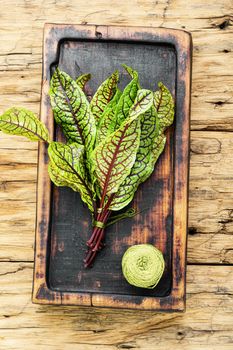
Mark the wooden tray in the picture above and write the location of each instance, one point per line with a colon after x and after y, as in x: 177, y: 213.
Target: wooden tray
x: 63, y: 222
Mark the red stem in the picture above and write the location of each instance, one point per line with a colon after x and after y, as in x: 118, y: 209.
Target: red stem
x: 95, y: 241
x: 90, y: 257
x: 98, y: 241
x: 100, y: 217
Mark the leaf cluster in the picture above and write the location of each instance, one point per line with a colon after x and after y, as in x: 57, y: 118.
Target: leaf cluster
x: 112, y: 142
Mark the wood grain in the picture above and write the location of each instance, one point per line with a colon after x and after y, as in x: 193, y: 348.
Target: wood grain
x: 209, y: 241
x: 207, y: 323
x: 211, y: 28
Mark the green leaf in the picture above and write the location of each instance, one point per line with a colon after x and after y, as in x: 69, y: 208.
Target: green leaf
x: 164, y: 105
x: 103, y: 95
x: 82, y: 80
x: 133, y: 73
x: 152, y: 143
x: 140, y: 172
x: 127, y: 98
x: 107, y: 125
x: 158, y: 147
x: 140, y: 168
x: 142, y: 103
x: 108, y: 121
x: 115, y: 156
x: 20, y: 121
x: 67, y: 168
x: 149, y: 131
x: 72, y: 110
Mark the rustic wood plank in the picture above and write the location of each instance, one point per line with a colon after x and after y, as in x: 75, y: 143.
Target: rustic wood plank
x: 210, y: 199
x: 211, y: 26
x: 210, y: 182
x: 163, y: 13
x: 207, y: 323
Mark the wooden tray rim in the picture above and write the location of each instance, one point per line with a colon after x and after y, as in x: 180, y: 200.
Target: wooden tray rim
x: 54, y: 34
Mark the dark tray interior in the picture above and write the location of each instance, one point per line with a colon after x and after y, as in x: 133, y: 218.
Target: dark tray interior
x: 70, y: 220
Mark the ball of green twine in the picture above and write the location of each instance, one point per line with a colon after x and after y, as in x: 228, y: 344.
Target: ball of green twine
x: 143, y: 265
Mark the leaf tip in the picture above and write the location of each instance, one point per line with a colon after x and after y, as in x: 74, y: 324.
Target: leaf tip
x: 125, y: 66
x: 163, y: 87
x: 133, y: 73
x: 115, y: 75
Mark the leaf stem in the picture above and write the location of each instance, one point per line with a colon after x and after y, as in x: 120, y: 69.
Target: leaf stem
x: 101, y: 217
x: 92, y: 243
x: 95, y: 241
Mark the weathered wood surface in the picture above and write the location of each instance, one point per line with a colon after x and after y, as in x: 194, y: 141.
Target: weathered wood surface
x: 208, y: 321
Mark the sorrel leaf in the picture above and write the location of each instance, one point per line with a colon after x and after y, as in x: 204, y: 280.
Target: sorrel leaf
x: 67, y: 169
x: 72, y: 110
x: 20, y: 121
x: 82, y: 80
x: 115, y: 156
x: 142, y: 103
x: 149, y: 131
x: 152, y: 143
x: 127, y: 98
x: 133, y: 73
x: 157, y: 149
x: 103, y: 95
x: 138, y: 175
x: 108, y: 121
x: 164, y: 104
x: 112, y: 146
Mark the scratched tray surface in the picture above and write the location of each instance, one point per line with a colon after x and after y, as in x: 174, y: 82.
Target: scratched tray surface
x: 70, y: 220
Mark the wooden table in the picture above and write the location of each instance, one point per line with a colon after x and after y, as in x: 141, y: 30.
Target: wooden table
x: 208, y: 321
